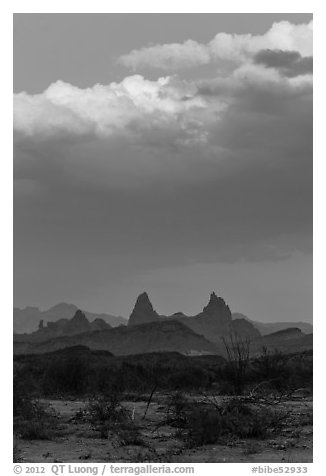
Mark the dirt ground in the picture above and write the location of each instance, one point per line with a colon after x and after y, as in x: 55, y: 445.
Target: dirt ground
x: 77, y: 441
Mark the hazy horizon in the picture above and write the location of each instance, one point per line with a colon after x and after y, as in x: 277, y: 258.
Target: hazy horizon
x: 166, y: 153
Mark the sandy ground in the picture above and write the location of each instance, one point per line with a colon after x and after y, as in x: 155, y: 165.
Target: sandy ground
x: 77, y: 440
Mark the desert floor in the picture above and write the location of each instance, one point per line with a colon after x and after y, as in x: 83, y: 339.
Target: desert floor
x: 76, y: 440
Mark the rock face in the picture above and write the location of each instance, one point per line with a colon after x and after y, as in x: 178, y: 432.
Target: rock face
x: 27, y: 320
x: 214, y: 322
x: 217, y: 314
x: 78, y: 324
x: 143, y: 311
x: 217, y: 305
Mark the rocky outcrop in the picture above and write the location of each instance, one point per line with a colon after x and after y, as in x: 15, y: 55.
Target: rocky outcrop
x: 216, y: 317
x: 214, y: 322
x: 78, y: 324
x: 217, y: 305
x: 27, y: 320
x: 143, y: 311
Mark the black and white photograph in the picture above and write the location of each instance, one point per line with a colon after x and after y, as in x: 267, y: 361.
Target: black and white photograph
x: 163, y: 238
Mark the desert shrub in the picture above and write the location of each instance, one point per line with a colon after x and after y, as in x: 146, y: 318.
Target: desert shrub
x: 301, y: 372
x: 103, y: 409
x: 22, y: 390
x: 207, y: 423
x: 129, y: 434
x: 279, y: 372
x: 203, y: 426
x: 272, y: 368
x: 35, y: 421
x: 66, y: 376
x: 32, y: 430
x: 107, y: 414
x: 177, y: 408
x: 269, y: 365
x: 32, y: 419
x: 188, y: 378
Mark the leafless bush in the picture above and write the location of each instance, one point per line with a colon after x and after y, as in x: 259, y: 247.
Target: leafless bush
x: 208, y: 423
x: 108, y: 415
x: 238, y: 356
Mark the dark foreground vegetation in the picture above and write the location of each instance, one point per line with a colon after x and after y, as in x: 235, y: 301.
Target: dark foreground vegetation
x: 78, y: 371
x: 204, y: 399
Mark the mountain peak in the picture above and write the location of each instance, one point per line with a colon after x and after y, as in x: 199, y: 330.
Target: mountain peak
x: 215, y: 304
x: 143, y: 301
x: 77, y: 324
x: 79, y: 317
x: 143, y: 311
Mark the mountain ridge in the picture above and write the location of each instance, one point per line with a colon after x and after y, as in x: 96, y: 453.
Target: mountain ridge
x: 150, y: 337
x: 270, y: 327
x: 213, y: 322
x: 147, y: 331
x: 26, y: 320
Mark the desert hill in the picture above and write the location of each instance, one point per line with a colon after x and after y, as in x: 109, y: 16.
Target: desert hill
x: 270, y: 327
x: 27, y: 320
x: 287, y: 341
x: 167, y: 336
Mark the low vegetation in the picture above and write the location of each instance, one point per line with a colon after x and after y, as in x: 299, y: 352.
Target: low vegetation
x: 204, y: 400
x: 33, y: 420
x: 83, y: 373
x: 206, y: 422
x: 109, y: 416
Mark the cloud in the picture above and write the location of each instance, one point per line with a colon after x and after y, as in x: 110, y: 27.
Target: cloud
x: 168, y: 111
x: 203, y: 169
x: 289, y: 63
x: 134, y: 105
x: 171, y: 112
x: 125, y: 178
x: 223, y: 48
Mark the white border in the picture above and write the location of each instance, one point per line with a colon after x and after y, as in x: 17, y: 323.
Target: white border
x: 204, y: 6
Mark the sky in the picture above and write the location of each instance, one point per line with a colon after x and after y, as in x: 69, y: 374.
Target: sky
x: 167, y: 153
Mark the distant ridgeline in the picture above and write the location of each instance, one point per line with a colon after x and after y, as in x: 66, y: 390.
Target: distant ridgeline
x: 147, y: 331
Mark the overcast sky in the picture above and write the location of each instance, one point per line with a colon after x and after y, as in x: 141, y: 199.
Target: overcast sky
x: 170, y: 153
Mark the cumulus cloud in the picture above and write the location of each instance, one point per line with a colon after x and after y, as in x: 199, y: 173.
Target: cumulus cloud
x: 171, y: 110
x: 224, y: 47
x: 171, y: 128
x: 289, y: 63
x: 168, y: 110
x: 103, y: 110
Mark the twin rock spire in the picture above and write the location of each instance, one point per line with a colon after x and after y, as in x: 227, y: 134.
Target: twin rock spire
x: 144, y: 312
